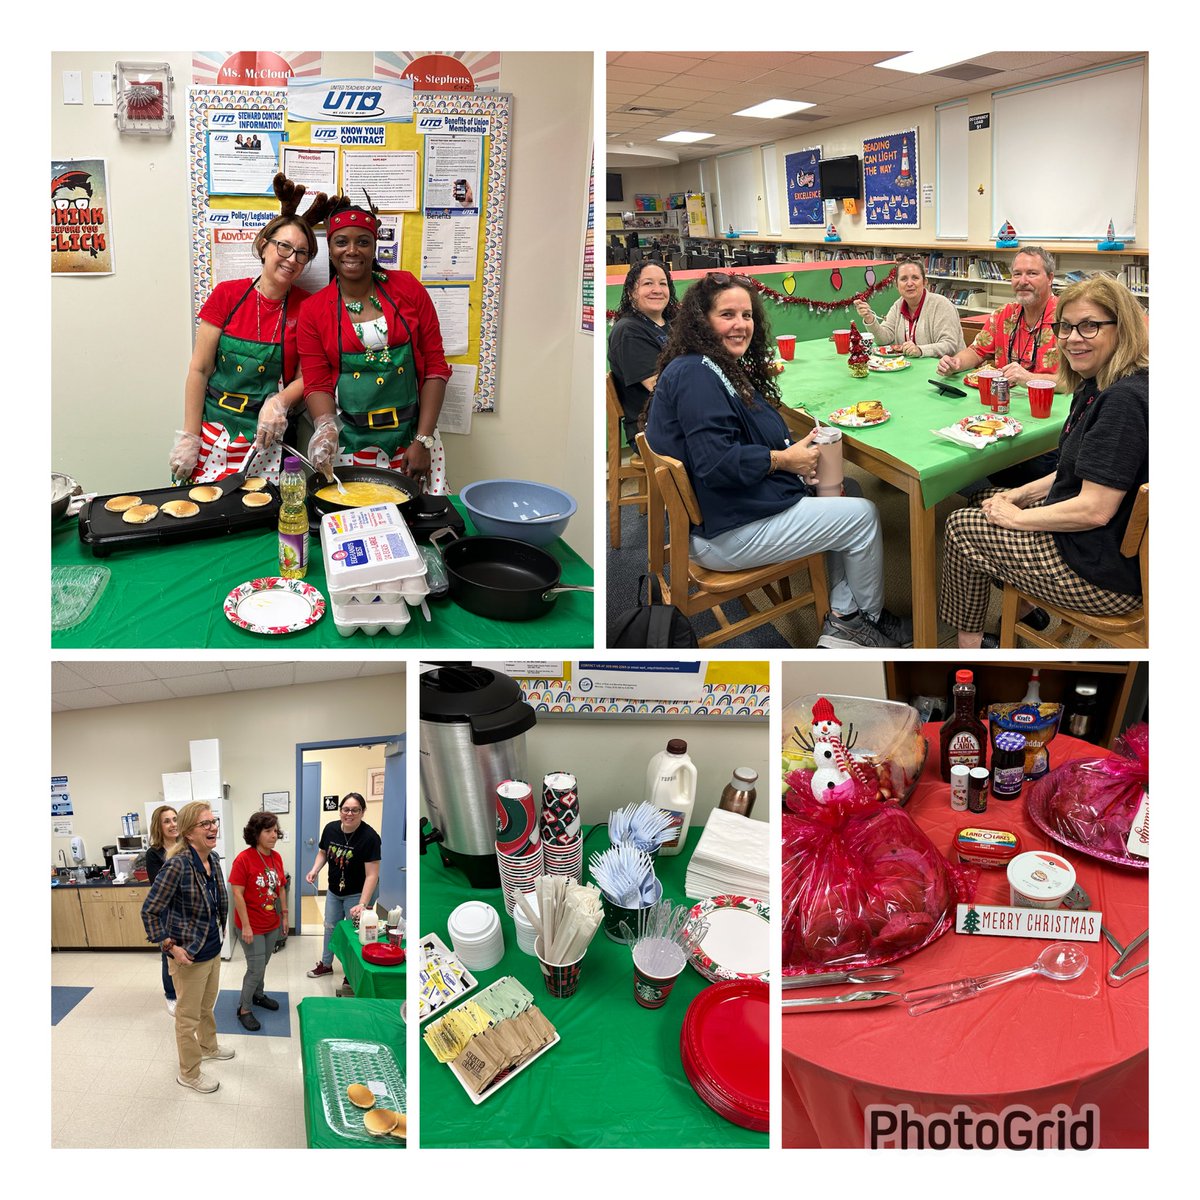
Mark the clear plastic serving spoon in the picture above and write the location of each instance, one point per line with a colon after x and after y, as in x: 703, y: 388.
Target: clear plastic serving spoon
x: 1059, y: 961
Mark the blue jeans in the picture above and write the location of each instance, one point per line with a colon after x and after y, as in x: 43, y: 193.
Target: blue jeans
x: 845, y: 527
x: 337, y: 908
x: 168, y: 982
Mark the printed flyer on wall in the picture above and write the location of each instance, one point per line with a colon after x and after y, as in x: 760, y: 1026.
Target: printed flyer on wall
x: 80, y: 221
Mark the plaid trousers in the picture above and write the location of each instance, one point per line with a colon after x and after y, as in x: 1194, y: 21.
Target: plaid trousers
x: 978, y: 554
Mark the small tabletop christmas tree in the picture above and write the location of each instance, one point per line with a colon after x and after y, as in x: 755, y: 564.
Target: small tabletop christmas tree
x: 858, y: 355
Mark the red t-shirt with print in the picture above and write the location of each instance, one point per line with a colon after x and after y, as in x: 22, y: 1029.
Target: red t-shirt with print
x: 255, y: 319
x: 263, y: 878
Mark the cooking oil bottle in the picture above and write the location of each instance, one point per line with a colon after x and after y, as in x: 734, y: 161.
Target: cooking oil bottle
x: 293, y: 521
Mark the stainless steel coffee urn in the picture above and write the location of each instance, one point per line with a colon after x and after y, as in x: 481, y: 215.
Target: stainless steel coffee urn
x: 473, y: 726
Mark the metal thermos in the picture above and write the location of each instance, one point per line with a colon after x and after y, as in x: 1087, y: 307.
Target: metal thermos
x: 473, y: 726
x: 740, y: 793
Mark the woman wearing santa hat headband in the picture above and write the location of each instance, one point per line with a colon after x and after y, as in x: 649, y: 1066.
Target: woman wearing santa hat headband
x: 372, y: 360
x: 243, y: 379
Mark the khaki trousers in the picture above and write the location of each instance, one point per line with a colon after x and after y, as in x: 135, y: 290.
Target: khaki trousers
x: 196, y: 988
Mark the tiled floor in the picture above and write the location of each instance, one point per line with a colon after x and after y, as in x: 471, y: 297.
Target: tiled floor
x: 114, y: 1061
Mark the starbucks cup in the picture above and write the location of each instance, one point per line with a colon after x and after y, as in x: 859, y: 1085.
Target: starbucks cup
x: 830, y: 475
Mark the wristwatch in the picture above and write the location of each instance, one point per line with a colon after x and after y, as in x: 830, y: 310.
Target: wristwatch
x: 425, y: 439
x: 167, y: 945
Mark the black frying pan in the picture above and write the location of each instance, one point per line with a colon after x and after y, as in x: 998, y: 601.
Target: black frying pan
x: 357, y: 475
x: 501, y: 578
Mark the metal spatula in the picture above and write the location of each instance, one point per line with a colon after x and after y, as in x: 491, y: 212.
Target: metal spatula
x: 231, y: 483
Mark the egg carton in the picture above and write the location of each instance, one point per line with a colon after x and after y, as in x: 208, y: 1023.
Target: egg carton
x: 410, y: 591
x: 371, y: 560
x: 356, y: 520
x: 372, y: 619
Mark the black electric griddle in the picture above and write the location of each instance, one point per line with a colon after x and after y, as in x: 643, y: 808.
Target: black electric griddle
x: 105, y: 531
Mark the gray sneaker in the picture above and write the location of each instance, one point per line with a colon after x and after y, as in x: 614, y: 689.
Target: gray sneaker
x: 201, y: 1083
x: 858, y: 632
x: 898, y: 629
x: 223, y: 1052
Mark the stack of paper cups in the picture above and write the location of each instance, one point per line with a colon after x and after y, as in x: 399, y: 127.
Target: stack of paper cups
x: 476, y: 936
x: 518, y: 840
x: 562, y: 843
x: 526, y: 934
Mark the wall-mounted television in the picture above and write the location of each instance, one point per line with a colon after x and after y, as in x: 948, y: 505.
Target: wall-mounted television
x: 613, y: 189
x: 841, y: 178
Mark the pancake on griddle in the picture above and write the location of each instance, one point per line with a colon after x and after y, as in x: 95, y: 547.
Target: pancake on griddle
x: 256, y: 499
x: 140, y: 514
x: 205, y: 494
x: 122, y: 503
x: 255, y: 483
x: 180, y: 508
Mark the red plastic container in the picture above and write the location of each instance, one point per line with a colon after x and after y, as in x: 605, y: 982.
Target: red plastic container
x: 982, y: 847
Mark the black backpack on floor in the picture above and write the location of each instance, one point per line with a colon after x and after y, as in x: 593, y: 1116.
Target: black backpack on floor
x: 652, y: 625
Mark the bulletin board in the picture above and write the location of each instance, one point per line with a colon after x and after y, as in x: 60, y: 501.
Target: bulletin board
x: 220, y: 219
x: 731, y: 691
x: 890, y: 184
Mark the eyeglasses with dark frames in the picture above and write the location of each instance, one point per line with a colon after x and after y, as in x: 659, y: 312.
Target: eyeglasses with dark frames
x: 286, y: 250
x: 1087, y: 328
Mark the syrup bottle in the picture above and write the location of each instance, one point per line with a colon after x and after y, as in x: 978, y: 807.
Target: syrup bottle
x: 964, y: 739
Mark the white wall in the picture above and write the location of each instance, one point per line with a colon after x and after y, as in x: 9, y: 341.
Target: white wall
x: 121, y: 343
x: 847, y: 677
x: 608, y: 756
x: 115, y: 757
x: 848, y: 139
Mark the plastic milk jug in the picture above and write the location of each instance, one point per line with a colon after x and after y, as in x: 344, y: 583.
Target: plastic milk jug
x: 368, y: 927
x: 671, y: 786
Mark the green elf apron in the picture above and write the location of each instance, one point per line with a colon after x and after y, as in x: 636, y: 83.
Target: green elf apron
x: 377, y: 396
x: 246, y: 373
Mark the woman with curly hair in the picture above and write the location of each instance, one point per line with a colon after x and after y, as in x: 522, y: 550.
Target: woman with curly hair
x: 257, y: 880
x: 639, y: 333
x: 714, y: 409
x: 1059, y: 537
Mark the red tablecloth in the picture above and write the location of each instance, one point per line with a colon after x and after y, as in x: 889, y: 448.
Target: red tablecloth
x: 1032, y: 1042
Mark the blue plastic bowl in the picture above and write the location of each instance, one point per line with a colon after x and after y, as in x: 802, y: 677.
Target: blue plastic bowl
x: 510, y: 508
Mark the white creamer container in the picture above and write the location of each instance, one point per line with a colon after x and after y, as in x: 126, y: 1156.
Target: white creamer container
x: 671, y: 787
x: 1039, y: 879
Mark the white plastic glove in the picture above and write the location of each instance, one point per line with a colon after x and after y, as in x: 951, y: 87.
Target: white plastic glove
x: 185, y: 454
x: 272, y: 421
x: 323, y: 445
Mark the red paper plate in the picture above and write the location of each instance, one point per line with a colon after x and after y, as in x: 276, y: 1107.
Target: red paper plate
x: 383, y: 955
x: 725, y: 1049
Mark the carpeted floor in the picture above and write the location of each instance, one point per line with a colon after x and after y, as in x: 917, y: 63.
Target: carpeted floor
x: 799, y: 629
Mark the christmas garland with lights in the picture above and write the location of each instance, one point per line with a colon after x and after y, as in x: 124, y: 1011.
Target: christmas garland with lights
x: 818, y: 306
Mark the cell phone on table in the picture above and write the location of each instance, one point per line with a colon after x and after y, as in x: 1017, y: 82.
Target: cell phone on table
x: 948, y: 389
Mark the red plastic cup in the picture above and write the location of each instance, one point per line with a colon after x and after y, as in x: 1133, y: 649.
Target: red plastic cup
x: 841, y: 340
x: 787, y: 345
x: 985, y: 386
x: 1041, y: 397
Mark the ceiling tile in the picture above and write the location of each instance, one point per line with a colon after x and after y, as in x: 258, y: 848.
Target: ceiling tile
x: 262, y: 676
x: 139, y: 693
x: 65, y: 678
x: 94, y: 698
x: 199, y: 685
x: 103, y: 672
x: 172, y: 670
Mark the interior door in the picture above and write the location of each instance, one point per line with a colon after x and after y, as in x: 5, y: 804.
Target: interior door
x: 309, y: 835
x: 393, y: 855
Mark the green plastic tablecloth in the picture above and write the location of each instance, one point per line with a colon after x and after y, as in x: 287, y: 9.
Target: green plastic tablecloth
x: 819, y: 381
x: 172, y: 596
x: 368, y: 980
x: 362, y: 1020
x: 615, y: 1078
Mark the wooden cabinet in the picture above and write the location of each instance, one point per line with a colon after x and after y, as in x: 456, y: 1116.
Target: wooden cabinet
x: 112, y: 917
x: 67, y: 930
x: 1000, y: 682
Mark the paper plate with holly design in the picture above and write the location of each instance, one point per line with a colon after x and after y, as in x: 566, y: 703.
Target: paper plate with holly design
x: 738, y: 942
x: 273, y: 605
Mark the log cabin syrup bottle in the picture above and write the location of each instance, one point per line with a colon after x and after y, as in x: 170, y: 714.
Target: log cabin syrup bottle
x: 964, y: 739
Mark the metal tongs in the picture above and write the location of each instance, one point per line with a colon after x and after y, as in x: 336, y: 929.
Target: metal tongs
x: 847, y: 1000
x: 1121, y: 972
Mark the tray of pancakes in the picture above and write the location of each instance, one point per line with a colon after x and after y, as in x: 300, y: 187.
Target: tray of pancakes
x: 860, y: 416
x: 159, y: 515
x: 363, y: 1092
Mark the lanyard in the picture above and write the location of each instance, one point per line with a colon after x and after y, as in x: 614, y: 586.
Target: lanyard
x: 912, y: 322
x: 1035, y: 338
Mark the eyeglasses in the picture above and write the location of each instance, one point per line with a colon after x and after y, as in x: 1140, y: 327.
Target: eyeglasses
x: 721, y: 279
x: 1086, y: 328
x: 351, y: 812
x: 286, y: 250
x: 215, y: 823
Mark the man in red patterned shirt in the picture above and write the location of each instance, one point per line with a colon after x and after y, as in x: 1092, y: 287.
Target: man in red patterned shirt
x: 1018, y: 336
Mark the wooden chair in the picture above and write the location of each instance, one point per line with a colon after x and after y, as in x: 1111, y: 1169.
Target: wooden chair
x: 1130, y: 630
x: 619, y: 470
x: 694, y: 589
